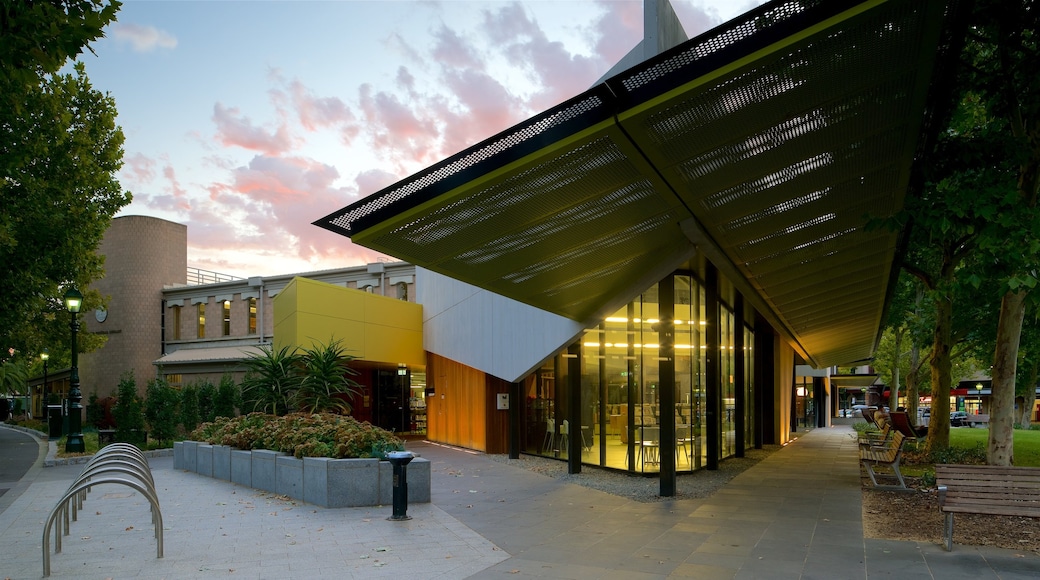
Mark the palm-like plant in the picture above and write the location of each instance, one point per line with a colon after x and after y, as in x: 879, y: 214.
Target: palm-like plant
x: 326, y: 385
x: 272, y: 378
x: 13, y: 375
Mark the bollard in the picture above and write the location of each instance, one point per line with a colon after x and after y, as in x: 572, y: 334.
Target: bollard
x: 400, y: 460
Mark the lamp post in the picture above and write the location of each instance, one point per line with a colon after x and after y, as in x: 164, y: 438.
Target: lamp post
x: 978, y: 391
x: 74, y: 444
x: 43, y: 403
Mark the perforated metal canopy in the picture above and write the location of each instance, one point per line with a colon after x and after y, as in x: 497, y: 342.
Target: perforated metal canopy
x: 765, y: 144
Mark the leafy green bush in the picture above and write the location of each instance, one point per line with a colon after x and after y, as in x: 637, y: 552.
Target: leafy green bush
x: 128, y: 411
x: 301, y: 435
x: 189, y: 417
x: 95, y: 412
x: 207, y: 394
x: 227, y: 397
x: 914, y: 453
x: 34, y: 424
x: 160, y: 409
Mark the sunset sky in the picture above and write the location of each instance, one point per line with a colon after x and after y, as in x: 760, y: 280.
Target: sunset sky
x: 248, y: 120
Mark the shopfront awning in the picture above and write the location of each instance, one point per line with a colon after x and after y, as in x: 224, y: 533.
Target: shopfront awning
x: 764, y: 145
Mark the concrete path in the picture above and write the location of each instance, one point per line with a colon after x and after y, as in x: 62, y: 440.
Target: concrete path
x: 794, y: 515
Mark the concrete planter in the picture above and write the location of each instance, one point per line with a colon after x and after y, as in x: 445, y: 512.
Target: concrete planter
x: 330, y: 483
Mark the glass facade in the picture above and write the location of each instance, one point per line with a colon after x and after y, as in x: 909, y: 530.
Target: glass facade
x: 622, y: 420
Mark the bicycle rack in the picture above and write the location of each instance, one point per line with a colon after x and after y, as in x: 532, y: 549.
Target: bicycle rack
x: 111, y: 460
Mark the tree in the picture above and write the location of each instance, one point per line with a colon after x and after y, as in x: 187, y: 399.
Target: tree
x: 997, y: 139
x: 1028, y: 366
x: 40, y: 36
x: 59, y: 151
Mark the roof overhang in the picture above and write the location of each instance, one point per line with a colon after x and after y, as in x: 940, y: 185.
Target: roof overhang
x: 764, y: 145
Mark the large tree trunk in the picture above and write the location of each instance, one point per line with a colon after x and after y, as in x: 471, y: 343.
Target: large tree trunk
x: 893, y: 397
x: 1030, y: 397
x: 942, y: 339
x: 913, y: 392
x: 1005, y: 359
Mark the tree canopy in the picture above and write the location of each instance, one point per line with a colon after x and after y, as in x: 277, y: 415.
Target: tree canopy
x: 60, y: 149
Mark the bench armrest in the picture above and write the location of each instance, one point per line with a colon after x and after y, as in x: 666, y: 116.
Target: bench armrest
x: 942, y: 495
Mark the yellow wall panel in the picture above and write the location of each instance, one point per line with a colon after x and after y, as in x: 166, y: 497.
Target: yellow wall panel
x: 370, y: 327
x: 387, y: 312
x: 386, y: 344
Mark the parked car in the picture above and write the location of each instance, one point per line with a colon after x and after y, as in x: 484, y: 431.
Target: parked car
x: 958, y: 419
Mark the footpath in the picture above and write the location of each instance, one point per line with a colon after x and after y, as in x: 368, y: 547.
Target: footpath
x: 796, y: 514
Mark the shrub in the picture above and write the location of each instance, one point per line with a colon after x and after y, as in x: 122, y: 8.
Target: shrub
x: 326, y: 385
x: 128, y: 412
x: 272, y: 377
x: 227, y: 398
x: 189, y: 416
x: 95, y: 412
x: 207, y: 394
x: 160, y: 409
x: 301, y: 435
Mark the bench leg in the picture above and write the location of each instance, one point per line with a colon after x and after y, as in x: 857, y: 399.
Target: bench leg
x: 948, y: 532
x: 899, y: 475
x: 870, y: 472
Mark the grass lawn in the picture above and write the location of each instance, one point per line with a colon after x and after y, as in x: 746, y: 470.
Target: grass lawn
x: 1027, y: 443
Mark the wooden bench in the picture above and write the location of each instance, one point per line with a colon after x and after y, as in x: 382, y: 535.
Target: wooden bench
x: 876, y: 438
x: 972, y: 420
x: 887, y: 454
x: 986, y: 489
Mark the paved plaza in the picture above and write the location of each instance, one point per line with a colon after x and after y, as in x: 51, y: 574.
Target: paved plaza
x: 796, y: 514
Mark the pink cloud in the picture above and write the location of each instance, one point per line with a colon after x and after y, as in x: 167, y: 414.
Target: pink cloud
x: 319, y: 112
x: 451, y: 51
x: 138, y: 168
x: 238, y: 131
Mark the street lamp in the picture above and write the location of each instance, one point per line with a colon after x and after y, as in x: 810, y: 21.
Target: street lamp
x: 75, y: 443
x: 978, y: 391
x: 44, y: 356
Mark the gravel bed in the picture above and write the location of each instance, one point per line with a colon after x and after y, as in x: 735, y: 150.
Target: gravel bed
x: 699, y: 484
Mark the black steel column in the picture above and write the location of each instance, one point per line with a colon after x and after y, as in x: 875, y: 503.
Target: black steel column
x: 666, y: 382
x: 765, y: 368
x: 739, y: 376
x: 601, y: 412
x: 794, y: 396
x: 819, y: 398
x: 574, y: 407
x: 630, y: 393
x: 712, y: 370
x: 515, y: 418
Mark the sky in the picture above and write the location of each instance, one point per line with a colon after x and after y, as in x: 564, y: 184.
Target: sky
x: 247, y: 120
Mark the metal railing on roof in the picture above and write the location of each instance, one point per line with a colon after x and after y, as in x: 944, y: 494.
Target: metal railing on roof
x: 198, y: 277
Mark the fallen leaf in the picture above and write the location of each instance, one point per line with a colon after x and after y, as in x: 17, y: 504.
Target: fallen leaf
x: 129, y: 528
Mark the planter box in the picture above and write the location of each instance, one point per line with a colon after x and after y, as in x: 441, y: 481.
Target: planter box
x: 265, y: 474
x: 330, y: 483
x: 289, y: 476
x: 204, y: 460
x: 242, y: 467
x: 222, y: 462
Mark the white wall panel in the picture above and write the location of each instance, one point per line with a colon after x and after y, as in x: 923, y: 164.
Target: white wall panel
x: 491, y: 333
